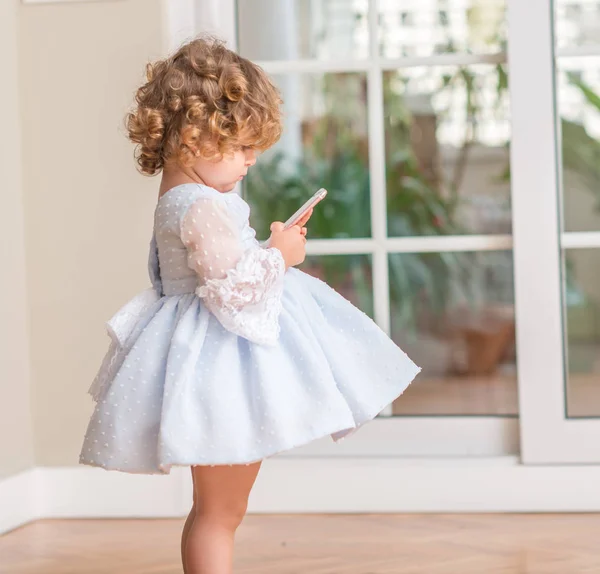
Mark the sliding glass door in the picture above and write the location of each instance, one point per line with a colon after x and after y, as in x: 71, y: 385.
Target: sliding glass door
x: 458, y: 142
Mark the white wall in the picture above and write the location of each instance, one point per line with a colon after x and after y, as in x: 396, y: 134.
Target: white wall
x: 16, y: 447
x: 88, y: 212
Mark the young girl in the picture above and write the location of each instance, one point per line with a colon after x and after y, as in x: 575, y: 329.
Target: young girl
x: 233, y: 355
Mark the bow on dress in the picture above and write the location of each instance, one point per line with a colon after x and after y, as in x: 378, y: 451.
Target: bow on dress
x: 122, y: 323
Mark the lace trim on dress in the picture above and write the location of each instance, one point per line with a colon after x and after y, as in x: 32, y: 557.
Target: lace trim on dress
x: 247, y: 301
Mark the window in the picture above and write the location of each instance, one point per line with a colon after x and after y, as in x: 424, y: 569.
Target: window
x: 436, y: 156
x: 415, y: 158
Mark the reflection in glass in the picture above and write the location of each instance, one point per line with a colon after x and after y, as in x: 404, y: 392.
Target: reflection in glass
x: 576, y: 23
x: 447, y: 158
x: 582, y: 317
x: 350, y: 275
x: 426, y: 27
x: 453, y: 314
x: 324, y: 144
x: 578, y: 88
x: 302, y: 29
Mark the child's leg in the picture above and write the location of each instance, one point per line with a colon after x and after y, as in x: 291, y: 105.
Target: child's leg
x: 221, y: 501
x: 186, y: 527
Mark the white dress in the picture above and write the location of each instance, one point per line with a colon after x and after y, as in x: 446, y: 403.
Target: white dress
x: 229, y: 358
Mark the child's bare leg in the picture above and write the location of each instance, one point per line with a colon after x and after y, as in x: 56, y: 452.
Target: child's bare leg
x: 221, y: 501
x: 187, y: 526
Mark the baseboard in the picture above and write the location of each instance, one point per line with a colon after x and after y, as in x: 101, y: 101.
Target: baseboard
x: 18, y: 499
x: 311, y: 485
x: 85, y: 492
x: 496, y: 485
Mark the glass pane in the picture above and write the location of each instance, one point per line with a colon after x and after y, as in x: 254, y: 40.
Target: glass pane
x: 577, y: 23
x: 453, y: 313
x: 447, y: 130
x: 324, y: 144
x: 349, y: 275
x: 302, y: 29
x: 579, y: 107
x: 582, y: 302
x: 426, y: 27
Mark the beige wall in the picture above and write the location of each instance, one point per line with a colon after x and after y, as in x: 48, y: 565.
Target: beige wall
x: 16, y: 447
x: 88, y: 212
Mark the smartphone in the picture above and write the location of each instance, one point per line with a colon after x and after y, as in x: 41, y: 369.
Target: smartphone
x: 318, y: 196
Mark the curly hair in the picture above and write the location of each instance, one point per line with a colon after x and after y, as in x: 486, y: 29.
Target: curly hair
x: 204, y: 97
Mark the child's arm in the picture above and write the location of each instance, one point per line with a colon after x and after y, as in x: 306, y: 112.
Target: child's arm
x: 241, y: 288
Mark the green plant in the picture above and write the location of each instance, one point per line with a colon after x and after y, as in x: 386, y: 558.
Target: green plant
x: 336, y: 159
x: 275, y: 189
x: 581, y: 151
x: 420, y: 202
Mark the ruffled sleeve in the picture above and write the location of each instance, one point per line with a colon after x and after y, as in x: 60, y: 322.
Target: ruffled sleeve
x: 242, y: 288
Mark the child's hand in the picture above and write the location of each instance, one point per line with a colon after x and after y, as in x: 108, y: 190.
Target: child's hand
x: 291, y: 242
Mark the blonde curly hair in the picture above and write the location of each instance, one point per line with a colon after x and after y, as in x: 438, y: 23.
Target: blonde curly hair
x: 204, y: 97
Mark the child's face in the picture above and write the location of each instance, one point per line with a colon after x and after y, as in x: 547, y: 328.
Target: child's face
x: 223, y: 175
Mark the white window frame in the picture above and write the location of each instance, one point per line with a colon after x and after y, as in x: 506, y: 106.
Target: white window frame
x: 547, y: 435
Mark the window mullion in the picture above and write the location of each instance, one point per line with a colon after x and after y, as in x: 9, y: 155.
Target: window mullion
x: 377, y: 175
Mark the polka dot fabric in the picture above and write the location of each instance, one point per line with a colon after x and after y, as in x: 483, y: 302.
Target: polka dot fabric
x: 234, y: 364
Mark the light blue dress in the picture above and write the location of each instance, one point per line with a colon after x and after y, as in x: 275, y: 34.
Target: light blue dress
x: 230, y: 358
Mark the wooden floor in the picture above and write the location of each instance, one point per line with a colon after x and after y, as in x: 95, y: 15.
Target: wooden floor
x: 341, y: 544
